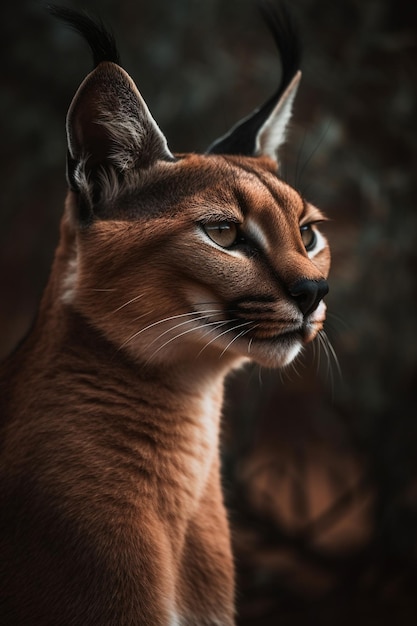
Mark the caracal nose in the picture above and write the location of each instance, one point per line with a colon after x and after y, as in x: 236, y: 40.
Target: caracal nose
x: 308, y: 294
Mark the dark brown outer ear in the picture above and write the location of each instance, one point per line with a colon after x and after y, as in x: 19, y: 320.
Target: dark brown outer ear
x: 110, y: 134
x: 109, y: 126
x: 263, y: 131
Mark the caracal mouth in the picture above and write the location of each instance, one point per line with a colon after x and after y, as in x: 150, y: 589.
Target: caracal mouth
x: 314, y: 324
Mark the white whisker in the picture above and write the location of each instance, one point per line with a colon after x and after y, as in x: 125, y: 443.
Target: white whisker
x: 228, y: 330
x: 128, y: 302
x: 205, y: 313
x: 342, y: 322
x: 313, y: 348
x: 250, y: 345
x: 316, y: 346
x: 185, y: 332
x: 219, y: 325
x: 165, y: 319
x: 324, y: 348
x: 294, y: 367
x: 260, y: 381
x: 325, y: 344
x: 331, y: 352
x: 243, y: 332
x: 139, y: 317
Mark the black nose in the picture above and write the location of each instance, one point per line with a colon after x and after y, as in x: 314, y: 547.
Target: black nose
x: 308, y: 293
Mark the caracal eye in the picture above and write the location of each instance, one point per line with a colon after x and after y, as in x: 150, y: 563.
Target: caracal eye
x: 222, y: 233
x: 309, y: 237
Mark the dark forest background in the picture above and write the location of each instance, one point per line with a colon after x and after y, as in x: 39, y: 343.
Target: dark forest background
x: 320, y: 466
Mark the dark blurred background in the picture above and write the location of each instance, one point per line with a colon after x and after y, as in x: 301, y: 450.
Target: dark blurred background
x: 320, y: 465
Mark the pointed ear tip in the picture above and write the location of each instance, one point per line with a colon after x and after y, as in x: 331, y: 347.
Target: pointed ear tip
x: 296, y: 78
x: 95, y: 85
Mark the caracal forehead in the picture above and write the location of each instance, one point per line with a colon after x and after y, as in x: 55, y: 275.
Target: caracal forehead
x: 251, y: 192
x: 236, y: 188
x: 255, y: 187
x: 271, y: 210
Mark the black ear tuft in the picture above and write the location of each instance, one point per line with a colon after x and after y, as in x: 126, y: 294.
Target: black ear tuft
x: 110, y: 131
x: 283, y: 28
x: 98, y: 37
x: 244, y: 137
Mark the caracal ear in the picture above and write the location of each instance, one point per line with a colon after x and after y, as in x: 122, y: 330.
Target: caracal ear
x: 272, y: 133
x: 260, y: 135
x: 110, y: 128
x: 264, y: 130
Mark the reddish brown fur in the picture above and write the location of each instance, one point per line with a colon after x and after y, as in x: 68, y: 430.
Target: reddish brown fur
x: 114, y: 507
x: 111, y: 505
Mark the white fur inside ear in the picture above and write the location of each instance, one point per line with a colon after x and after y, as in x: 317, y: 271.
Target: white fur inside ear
x: 129, y: 133
x: 127, y: 136
x: 271, y: 135
x: 70, y: 280
x: 109, y: 123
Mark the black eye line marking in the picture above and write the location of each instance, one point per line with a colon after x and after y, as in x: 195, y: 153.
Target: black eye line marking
x: 247, y: 244
x: 280, y: 200
x: 242, y: 240
x: 312, y: 240
x: 245, y: 241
